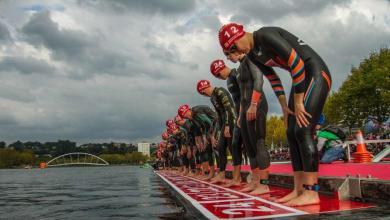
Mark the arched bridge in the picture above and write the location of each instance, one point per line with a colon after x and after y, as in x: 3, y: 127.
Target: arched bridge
x: 77, y: 158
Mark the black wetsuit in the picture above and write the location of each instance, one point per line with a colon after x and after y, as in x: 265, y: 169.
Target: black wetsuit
x: 205, y: 119
x: 224, y: 106
x: 253, y: 132
x: 174, y: 153
x: 234, y: 90
x: 276, y: 47
x: 189, y: 129
x: 181, y: 141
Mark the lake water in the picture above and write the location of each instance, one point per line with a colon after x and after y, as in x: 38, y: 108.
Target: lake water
x: 112, y: 192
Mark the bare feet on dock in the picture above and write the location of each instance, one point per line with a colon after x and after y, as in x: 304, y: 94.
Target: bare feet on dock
x: 260, y: 189
x: 250, y: 187
x: 209, y: 177
x: 288, y: 197
x: 306, y: 198
x: 232, y: 183
x: 220, y: 177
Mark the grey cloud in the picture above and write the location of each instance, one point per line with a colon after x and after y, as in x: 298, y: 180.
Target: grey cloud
x: 5, y: 34
x: 268, y: 10
x: 240, y: 18
x: 25, y: 65
x: 198, y: 24
x: 41, y: 30
x: 166, y: 7
x: 7, y: 120
x: 15, y: 93
x: 161, y: 53
x: 211, y: 21
x: 75, y: 47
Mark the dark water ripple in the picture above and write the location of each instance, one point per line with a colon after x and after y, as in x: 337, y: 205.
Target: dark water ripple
x: 115, y: 192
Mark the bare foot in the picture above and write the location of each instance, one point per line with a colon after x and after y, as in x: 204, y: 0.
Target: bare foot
x: 260, y: 189
x: 209, y: 177
x: 218, y: 178
x: 288, y: 197
x: 249, y: 187
x: 232, y: 183
x: 306, y: 198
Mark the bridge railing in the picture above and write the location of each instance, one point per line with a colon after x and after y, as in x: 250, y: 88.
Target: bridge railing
x: 77, y: 158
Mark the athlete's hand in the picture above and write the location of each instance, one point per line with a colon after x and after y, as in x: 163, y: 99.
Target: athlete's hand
x: 286, y: 112
x: 205, y: 141
x: 238, y: 122
x: 251, y: 113
x: 226, y: 132
x: 201, y: 147
x: 213, y: 142
x: 184, y: 150
x: 301, y: 115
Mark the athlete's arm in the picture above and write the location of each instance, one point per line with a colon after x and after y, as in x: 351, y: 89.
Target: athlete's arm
x: 257, y: 85
x: 223, y: 95
x: 284, y: 50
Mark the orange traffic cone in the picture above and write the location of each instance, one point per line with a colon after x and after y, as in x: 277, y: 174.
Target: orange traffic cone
x: 43, y: 165
x: 361, y: 155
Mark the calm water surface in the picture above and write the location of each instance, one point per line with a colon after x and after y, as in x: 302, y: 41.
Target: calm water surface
x: 112, y: 192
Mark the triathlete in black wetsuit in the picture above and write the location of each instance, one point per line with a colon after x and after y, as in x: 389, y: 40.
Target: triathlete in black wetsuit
x: 274, y: 46
x: 253, y: 115
x: 173, y: 147
x: 188, y: 128
x: 180, y: 136
x: 219, y: 70
x: 224, y: 106
x: 204, y: 118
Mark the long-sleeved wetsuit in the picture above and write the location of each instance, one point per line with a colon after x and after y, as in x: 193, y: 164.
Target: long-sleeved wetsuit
x: 224, y: 106
x: 234, y: 89
x: 253, y: 132
x: 204, y: 118
x: 276, y: 47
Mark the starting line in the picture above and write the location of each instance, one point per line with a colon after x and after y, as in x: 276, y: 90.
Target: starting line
x: 216, y: 202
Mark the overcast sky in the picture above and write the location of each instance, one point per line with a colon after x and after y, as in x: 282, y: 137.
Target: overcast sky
x: 94, y: 71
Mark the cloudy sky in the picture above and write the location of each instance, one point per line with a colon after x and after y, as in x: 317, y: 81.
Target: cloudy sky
x: 93, y: 71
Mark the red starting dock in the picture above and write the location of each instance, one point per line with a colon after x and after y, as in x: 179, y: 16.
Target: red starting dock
x: 216, y: 202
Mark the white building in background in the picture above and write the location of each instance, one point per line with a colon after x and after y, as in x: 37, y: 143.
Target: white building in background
x: 144, y: 148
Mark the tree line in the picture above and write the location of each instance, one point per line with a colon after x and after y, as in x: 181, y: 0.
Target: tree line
x: 20, y: 153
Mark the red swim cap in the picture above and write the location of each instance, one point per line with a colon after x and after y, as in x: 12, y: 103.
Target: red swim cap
x: 202, y: 85
x: 165, y: 135
x: 172, y: 129
x: 169, y: 122
x: 161, y: 144
x: 183, y: 109
x: 178, y: 118
x: 216, y: 67
x: 229, y: 34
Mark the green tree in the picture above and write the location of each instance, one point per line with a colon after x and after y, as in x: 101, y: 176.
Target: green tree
x: 365, y: 92
x: 276, y: 132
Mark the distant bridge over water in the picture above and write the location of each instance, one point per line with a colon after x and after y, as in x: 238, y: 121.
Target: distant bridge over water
x: 77, y: 158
